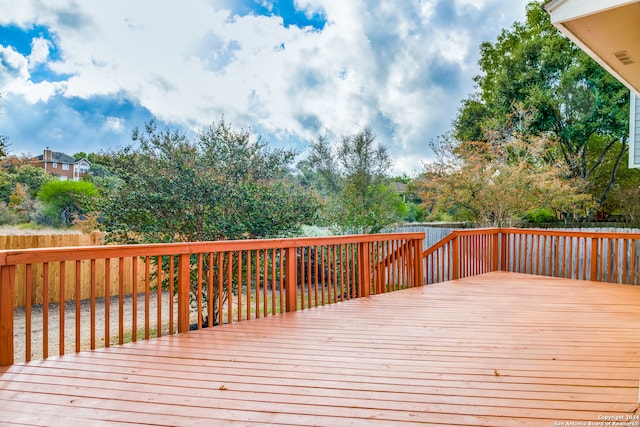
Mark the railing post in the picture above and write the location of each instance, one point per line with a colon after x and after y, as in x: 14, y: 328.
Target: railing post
x: 417, y: 256
x: 184, y: 290
x: 291, y: 279
x: 364, y: 269
x: 455, y: 260
x: 503, y: 252
x: 594, y: 259
x: 7, y: 292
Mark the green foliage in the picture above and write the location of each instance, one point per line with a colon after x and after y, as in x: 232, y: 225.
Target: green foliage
x: 19, y: 186
x: 223, y: 185
x: 534, y: 67
x: 31, y: 178
x: 541, y: 216
x: 64, y: 199
x: 353, y: 180
x: 414, y: 213
x: 4, y: 142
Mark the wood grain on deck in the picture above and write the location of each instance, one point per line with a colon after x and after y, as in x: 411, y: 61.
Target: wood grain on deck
x: 501, y: 349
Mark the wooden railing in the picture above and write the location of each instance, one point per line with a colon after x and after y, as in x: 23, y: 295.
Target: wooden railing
x: 605, y: 257
x: 190, y: 285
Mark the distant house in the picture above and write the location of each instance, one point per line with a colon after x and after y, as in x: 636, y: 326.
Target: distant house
x: 62, y: 165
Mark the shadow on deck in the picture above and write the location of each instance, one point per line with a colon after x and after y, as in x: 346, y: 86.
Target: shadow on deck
x: 500, y: 349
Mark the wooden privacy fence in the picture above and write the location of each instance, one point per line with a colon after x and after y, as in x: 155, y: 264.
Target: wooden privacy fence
x: 28, y: 241
x: 606, y: 257
x: 14, y: 242
x: 211, y: 282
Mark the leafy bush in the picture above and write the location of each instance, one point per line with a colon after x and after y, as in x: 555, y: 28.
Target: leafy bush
x: 63, y: 199
x: 540, y: 216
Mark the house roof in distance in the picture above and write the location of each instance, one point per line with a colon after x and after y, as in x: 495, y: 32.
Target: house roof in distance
x: 58, y: 157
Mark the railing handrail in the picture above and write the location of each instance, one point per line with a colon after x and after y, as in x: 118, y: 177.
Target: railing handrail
x: 569, y: 233
x: 75, y: 253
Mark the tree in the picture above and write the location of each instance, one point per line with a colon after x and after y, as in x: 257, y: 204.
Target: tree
x: 20, y: 183
x: 574, y: 99
x: 4, y: 142
x: 224, y: 185
x: 64, y: 199
x: 3, y: 145
x: 353, y: 180
x: 498, y: 181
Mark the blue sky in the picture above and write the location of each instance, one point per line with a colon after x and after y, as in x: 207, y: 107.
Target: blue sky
x: 79, y: 76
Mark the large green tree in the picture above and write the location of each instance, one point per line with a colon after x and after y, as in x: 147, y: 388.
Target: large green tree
x: 533, y: 66
x: 353, y: 179
x: 222, y: 185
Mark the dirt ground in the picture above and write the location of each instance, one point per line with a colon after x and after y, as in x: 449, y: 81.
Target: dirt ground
x: 37, y: 338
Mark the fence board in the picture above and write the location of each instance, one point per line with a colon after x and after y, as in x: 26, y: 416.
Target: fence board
x: 16, y: 242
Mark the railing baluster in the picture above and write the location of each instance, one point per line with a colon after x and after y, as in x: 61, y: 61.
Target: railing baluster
x: 134, y: 298
x: 615, y: 254
x: 61, y: 330
x: 121, y: 301
x: 302, y: 277
x: 78, y: 298
x: 107, y: 301
x: 634, y: 280
x: 281, y: 280
x: 571, y: 268
x: 239, y: 303
x: 273, y: 282
x: 171, y: 293
x: 267, y: 282
x: 220, y: 284
x: 93, y: 304
x: 159, y: 295
x: 199, y: 290
x: 322, y: 277
x: 229, y: 288
x: 45, y: 310
x: 28, y: 291
x: 249, y: 276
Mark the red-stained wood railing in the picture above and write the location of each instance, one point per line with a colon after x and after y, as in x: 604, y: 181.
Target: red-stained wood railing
x: 597, y: 256
x: 193, y: 285
x: 462, y: 253
x: 603, y: 257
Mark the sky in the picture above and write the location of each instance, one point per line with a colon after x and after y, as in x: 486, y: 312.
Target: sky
x: 81, y: 75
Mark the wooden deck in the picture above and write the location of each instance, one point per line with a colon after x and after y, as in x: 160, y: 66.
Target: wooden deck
x: 502, y: 349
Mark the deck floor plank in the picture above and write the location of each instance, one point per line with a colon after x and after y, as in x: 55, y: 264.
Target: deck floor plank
x: 499, y: 349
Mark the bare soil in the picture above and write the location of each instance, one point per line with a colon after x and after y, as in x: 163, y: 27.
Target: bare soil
x: 37, y: 314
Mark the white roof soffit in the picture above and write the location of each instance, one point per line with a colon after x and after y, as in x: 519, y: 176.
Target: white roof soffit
x: 607, y: 30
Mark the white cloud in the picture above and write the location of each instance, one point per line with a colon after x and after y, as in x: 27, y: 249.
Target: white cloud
x: 114, y: 124
x: 39, y: 51
x: 401, y: 67
x: 476, y: 4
